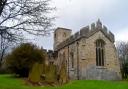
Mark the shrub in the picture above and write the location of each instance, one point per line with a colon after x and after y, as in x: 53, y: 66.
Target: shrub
x: 21, y: 59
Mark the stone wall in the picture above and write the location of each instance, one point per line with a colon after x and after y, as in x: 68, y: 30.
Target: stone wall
x: 85, y: 59
x: 111, y: 68
x: 82, y: 45
x: 50, y: 57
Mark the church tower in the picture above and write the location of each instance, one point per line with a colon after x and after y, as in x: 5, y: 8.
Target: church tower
x: 61, y: 34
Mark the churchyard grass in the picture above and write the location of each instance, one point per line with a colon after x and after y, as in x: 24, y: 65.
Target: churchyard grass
x: 9, y: 82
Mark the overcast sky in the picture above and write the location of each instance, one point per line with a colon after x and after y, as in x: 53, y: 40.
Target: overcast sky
x: 75, y: 14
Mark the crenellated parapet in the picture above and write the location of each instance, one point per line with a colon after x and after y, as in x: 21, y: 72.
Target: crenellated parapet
x: 87, y: 32
x: 84, y: 31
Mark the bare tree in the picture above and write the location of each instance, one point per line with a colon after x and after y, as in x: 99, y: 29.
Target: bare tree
x: 2, y: 4
x: 23, y: 16
x: 32, y: 16
x: 5, y: 44
x: 122, y: 48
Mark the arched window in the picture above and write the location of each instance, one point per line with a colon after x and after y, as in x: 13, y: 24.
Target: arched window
x: 100, y: 52
x: 72, y: 59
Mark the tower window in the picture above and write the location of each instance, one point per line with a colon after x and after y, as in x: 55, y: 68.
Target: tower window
x: 64, y: 35
x: 55, y: 35
x: 100, y: 52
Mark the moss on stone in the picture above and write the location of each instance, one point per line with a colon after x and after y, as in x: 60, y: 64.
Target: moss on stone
x: 35, y: 73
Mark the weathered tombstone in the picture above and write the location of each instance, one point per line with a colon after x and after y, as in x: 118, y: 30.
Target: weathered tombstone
x: 63, y: 74
x: 35, y: 73
x: 50, y: 73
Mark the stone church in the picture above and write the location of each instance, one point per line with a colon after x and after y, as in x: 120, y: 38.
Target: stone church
x: 88, y: 54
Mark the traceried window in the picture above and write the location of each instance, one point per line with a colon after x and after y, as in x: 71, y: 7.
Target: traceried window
x: 100, y: 52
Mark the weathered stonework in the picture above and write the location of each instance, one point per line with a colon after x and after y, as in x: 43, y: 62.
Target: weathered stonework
x: 78, y: 51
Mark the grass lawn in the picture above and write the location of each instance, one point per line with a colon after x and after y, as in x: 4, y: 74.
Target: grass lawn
x: 8, y: 82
